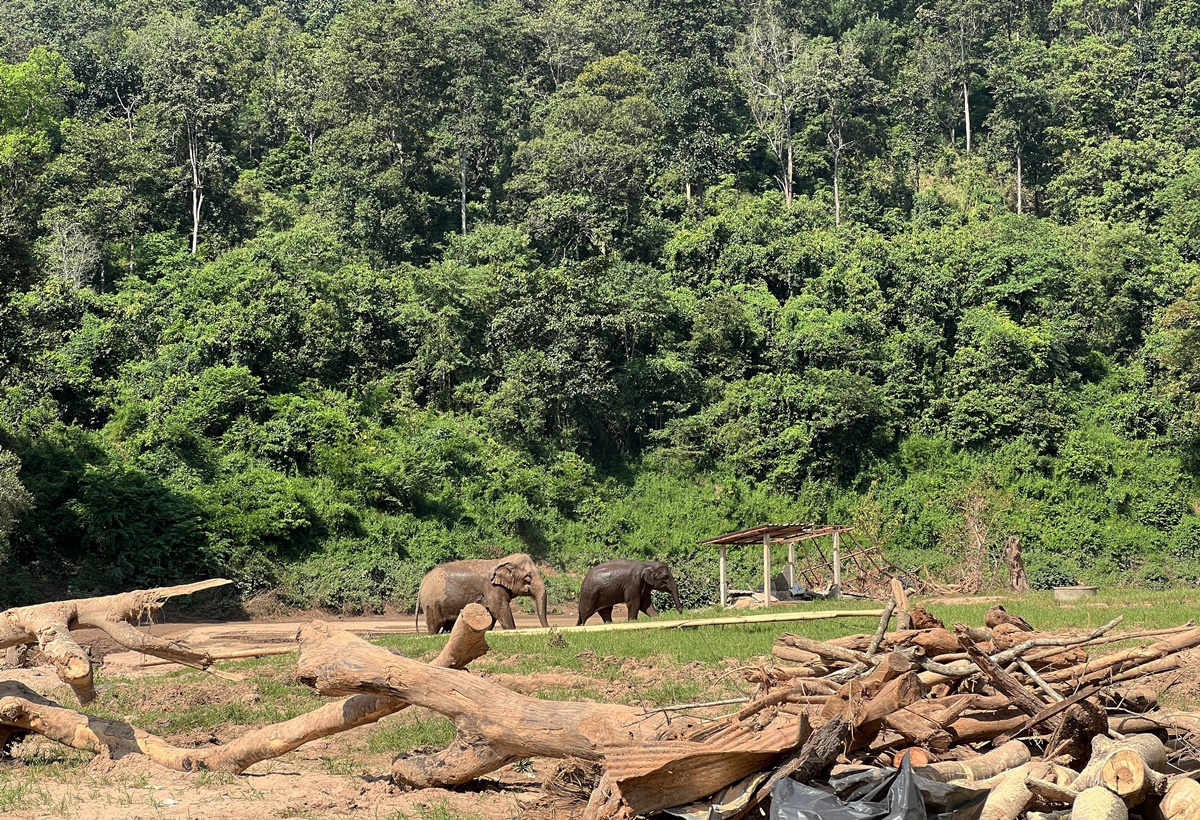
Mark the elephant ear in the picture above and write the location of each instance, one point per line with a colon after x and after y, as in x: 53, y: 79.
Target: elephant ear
x: 656, y: 575
x: 507, y: 575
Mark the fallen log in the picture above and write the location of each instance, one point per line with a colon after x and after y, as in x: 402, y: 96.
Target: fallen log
x: 22, y: 708
x: 49, y: 626
x: 650, y: 764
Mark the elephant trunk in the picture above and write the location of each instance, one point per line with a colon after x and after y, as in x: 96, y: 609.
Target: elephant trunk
x: 673, y: 588
x: 537, y: 591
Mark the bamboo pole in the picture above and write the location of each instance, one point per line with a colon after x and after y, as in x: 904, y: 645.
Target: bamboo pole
x: 772, y: 617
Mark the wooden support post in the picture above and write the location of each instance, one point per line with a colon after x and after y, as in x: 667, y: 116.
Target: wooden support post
x: 724, y: 581
x: 766, y: 570
x: 836, y: 590
x: 791, y: 563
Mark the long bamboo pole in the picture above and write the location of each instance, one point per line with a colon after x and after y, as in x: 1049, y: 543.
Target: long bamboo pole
x: 815, y: 615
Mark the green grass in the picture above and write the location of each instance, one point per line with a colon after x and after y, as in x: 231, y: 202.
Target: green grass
x: 437, y: 811
x: 405, y: 733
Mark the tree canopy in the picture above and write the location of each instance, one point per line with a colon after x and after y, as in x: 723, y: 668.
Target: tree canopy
x: 320, y: 293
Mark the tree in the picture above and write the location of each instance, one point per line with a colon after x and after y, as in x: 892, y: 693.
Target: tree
x: 835, y: 85
x: 33, y: 107
x: 14, y: 498
x: 585, y: 174
x: 766, y: 62
x: 183, y: 81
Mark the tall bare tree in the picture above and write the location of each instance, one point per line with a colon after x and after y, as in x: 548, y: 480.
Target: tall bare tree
x: 766, y: 64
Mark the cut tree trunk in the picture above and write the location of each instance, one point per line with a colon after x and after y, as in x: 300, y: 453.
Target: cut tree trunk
x: 49, y: 626
x: 24, y: 710
x: 650, y: 764
x: 1130, y: 768
x: 1181, y: 802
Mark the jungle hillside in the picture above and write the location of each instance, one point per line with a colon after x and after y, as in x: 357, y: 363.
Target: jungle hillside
x: 317, y: 294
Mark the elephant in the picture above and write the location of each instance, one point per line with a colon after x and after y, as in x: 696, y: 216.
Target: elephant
x: 447, y: 589
x: 622, y: 580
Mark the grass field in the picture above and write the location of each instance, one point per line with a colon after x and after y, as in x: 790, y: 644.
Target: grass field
x: 650, y: 668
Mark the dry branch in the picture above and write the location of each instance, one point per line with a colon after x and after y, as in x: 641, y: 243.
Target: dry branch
x: 23, y: 709
x: 49, y: 626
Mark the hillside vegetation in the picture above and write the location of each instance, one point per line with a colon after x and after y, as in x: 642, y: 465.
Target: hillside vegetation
x: 318, y: 294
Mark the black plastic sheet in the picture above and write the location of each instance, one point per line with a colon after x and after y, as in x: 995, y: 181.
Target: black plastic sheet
x: 876, y: 794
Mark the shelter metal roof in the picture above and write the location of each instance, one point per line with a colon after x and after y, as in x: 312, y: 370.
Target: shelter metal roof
x: 777, y: 533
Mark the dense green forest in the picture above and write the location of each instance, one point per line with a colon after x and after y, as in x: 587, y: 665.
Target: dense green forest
x: 320, y: 293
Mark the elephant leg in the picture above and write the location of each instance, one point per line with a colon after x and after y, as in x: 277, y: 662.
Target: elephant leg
x: 646, y: 605
x: 504, y: 616
x: 605, y: 614
x: 634, y: 605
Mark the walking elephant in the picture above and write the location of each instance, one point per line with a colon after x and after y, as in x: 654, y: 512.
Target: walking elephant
x: 447, y: 589
x: 622, y: 580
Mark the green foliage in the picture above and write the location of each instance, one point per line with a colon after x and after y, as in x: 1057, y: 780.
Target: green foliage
x: 322, y: 295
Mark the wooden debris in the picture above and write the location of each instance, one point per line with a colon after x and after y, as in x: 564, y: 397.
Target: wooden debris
x: 49, y: 626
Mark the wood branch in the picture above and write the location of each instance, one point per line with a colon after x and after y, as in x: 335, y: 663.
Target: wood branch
x: 1009, y: 756
x: 49, y: 626
x: 1098, y: 803
x: 1021, y: 697
x: 497, y: 726
x: 1009, y: 655
x: 21, y: 708
x: 900, y: 597
x: 1098, y: 669
x: 1051, y: 791
x: 884, y: 620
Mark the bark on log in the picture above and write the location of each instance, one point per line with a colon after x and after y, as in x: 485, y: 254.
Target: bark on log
x: 1009, y: 756
x: 22, y: 708
x: 1010, y: 795
x: 49, y: 626
x: 1098, y: 803
x: 647, y: 769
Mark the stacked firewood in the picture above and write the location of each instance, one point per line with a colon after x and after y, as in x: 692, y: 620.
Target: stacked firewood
x: 1029, y: 716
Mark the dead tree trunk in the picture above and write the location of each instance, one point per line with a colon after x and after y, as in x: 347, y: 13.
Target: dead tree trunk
x: 49, y: 626
x: 1017, y: 581
x: 650, y: 764
x: 22, y: 709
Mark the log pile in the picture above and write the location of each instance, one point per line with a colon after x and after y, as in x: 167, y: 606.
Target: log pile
x: 1047, y: 729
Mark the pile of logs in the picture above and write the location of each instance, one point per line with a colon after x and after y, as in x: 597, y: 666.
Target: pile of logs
x: 1029, y: 719
x: 1047, y: 729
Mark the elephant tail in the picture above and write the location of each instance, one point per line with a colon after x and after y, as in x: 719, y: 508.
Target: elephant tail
x: 417, y: 617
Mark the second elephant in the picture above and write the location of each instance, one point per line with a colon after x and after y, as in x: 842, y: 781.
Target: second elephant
x: 622, y: 580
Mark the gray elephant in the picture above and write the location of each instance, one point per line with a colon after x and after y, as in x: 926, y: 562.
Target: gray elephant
x: 622, y: 580
x: 447, y: 589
